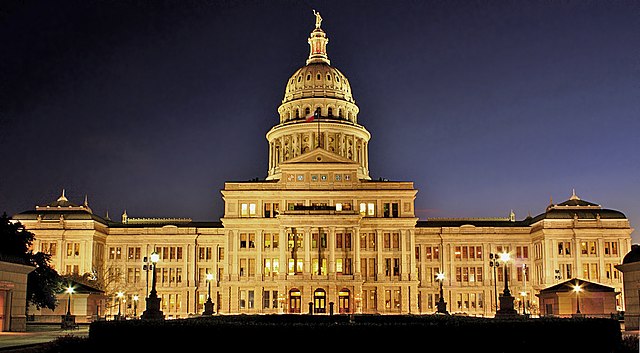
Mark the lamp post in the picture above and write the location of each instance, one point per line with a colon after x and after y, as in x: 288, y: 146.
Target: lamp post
x: 493, y: 263
x: 441, y: 304
x: 69, y: 291
x: 153, y: 302
x: 208, y: 305
x: 120, y: 295
x: 68, y: 320
x: 506, y: 299
x: 135, y: 305
x: 577, y: 288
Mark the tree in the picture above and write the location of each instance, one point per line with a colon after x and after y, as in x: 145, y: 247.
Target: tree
x: 15, y: 246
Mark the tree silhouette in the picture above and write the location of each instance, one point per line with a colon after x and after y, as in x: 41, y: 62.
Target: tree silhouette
x: 15, y: 246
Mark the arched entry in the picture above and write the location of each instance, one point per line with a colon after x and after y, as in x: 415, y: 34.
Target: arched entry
x: 295, y: 301
x: 344, y: 299
x: 320, y: 301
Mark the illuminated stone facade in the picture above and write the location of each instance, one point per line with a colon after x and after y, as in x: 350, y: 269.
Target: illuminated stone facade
x: 318, y: 234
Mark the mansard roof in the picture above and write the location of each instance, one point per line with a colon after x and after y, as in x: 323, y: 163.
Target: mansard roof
x: 477, y: 222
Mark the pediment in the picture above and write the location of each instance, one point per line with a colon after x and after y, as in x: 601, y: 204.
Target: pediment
x: 319, y: 155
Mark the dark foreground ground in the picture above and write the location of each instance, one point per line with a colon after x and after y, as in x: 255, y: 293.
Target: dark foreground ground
x: 347, y: 333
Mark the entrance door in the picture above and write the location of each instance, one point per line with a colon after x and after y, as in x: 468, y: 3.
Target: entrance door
x: 320, y: 301
x: 343, y: 301
x: 295, y: 301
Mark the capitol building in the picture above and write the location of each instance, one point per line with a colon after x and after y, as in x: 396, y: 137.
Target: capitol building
x: 319, y: 234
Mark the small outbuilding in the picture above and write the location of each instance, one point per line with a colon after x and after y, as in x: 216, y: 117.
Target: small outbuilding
x: 85, y: 302
x: 630, y: 269
x: 13, y: 293
x: 577, y: 297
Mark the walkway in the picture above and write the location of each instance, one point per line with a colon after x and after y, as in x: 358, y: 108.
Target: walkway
x: 37, y: 334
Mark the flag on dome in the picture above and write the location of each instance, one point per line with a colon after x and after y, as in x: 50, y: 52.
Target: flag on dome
x: 312, y: 116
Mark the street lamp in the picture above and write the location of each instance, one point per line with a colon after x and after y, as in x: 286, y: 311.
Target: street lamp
x: 505, y: 257
x: 506, y: 299
x: 577, y: 288
x: 493, y: 263
x: 69, y: 291
x: 120, y: 295
x: 153, y: 302
x: 208, y: 305
x: 135, y: 305
x: 441, y: 304
x: 524, y: 302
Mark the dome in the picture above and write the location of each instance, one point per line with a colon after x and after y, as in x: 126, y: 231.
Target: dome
x: 317, y: 87
x: 633, y: 255
x: 318, y: 80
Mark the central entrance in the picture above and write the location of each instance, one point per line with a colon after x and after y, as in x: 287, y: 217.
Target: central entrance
x: 320, y: 301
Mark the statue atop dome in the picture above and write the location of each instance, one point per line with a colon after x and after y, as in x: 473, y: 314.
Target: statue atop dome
x: 318, y: 18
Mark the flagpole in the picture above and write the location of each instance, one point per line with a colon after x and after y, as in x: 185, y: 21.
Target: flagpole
x: 318, y: 130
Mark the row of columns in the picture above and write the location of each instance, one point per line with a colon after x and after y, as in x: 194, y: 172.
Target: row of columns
x: 278, y: 153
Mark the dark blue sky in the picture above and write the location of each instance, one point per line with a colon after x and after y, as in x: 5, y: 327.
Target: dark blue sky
x: 487, y: 106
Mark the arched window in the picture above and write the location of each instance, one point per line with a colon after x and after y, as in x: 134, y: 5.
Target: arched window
x: 308, y: 77
x: 307, y: 111
x: 330, y: 112
x: 320, y: 301
x: 340, y: 113
x: 297, y: 113
x: 318, y: 77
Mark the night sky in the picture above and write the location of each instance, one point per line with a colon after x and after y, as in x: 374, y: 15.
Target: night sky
x: 487, y: 106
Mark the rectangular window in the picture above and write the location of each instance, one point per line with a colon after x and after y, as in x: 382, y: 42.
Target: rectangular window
x: 387, y: 240
x: 243, y: 240
x: 248, y: 210
x: 266, y: 239
x: 265, y: 299
x: 243, y: 267
x: 267, y: 267
x: 243, y: 299
x: 271, y: 209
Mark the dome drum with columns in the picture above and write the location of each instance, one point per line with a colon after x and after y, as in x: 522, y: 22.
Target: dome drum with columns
x: 320, y: 91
